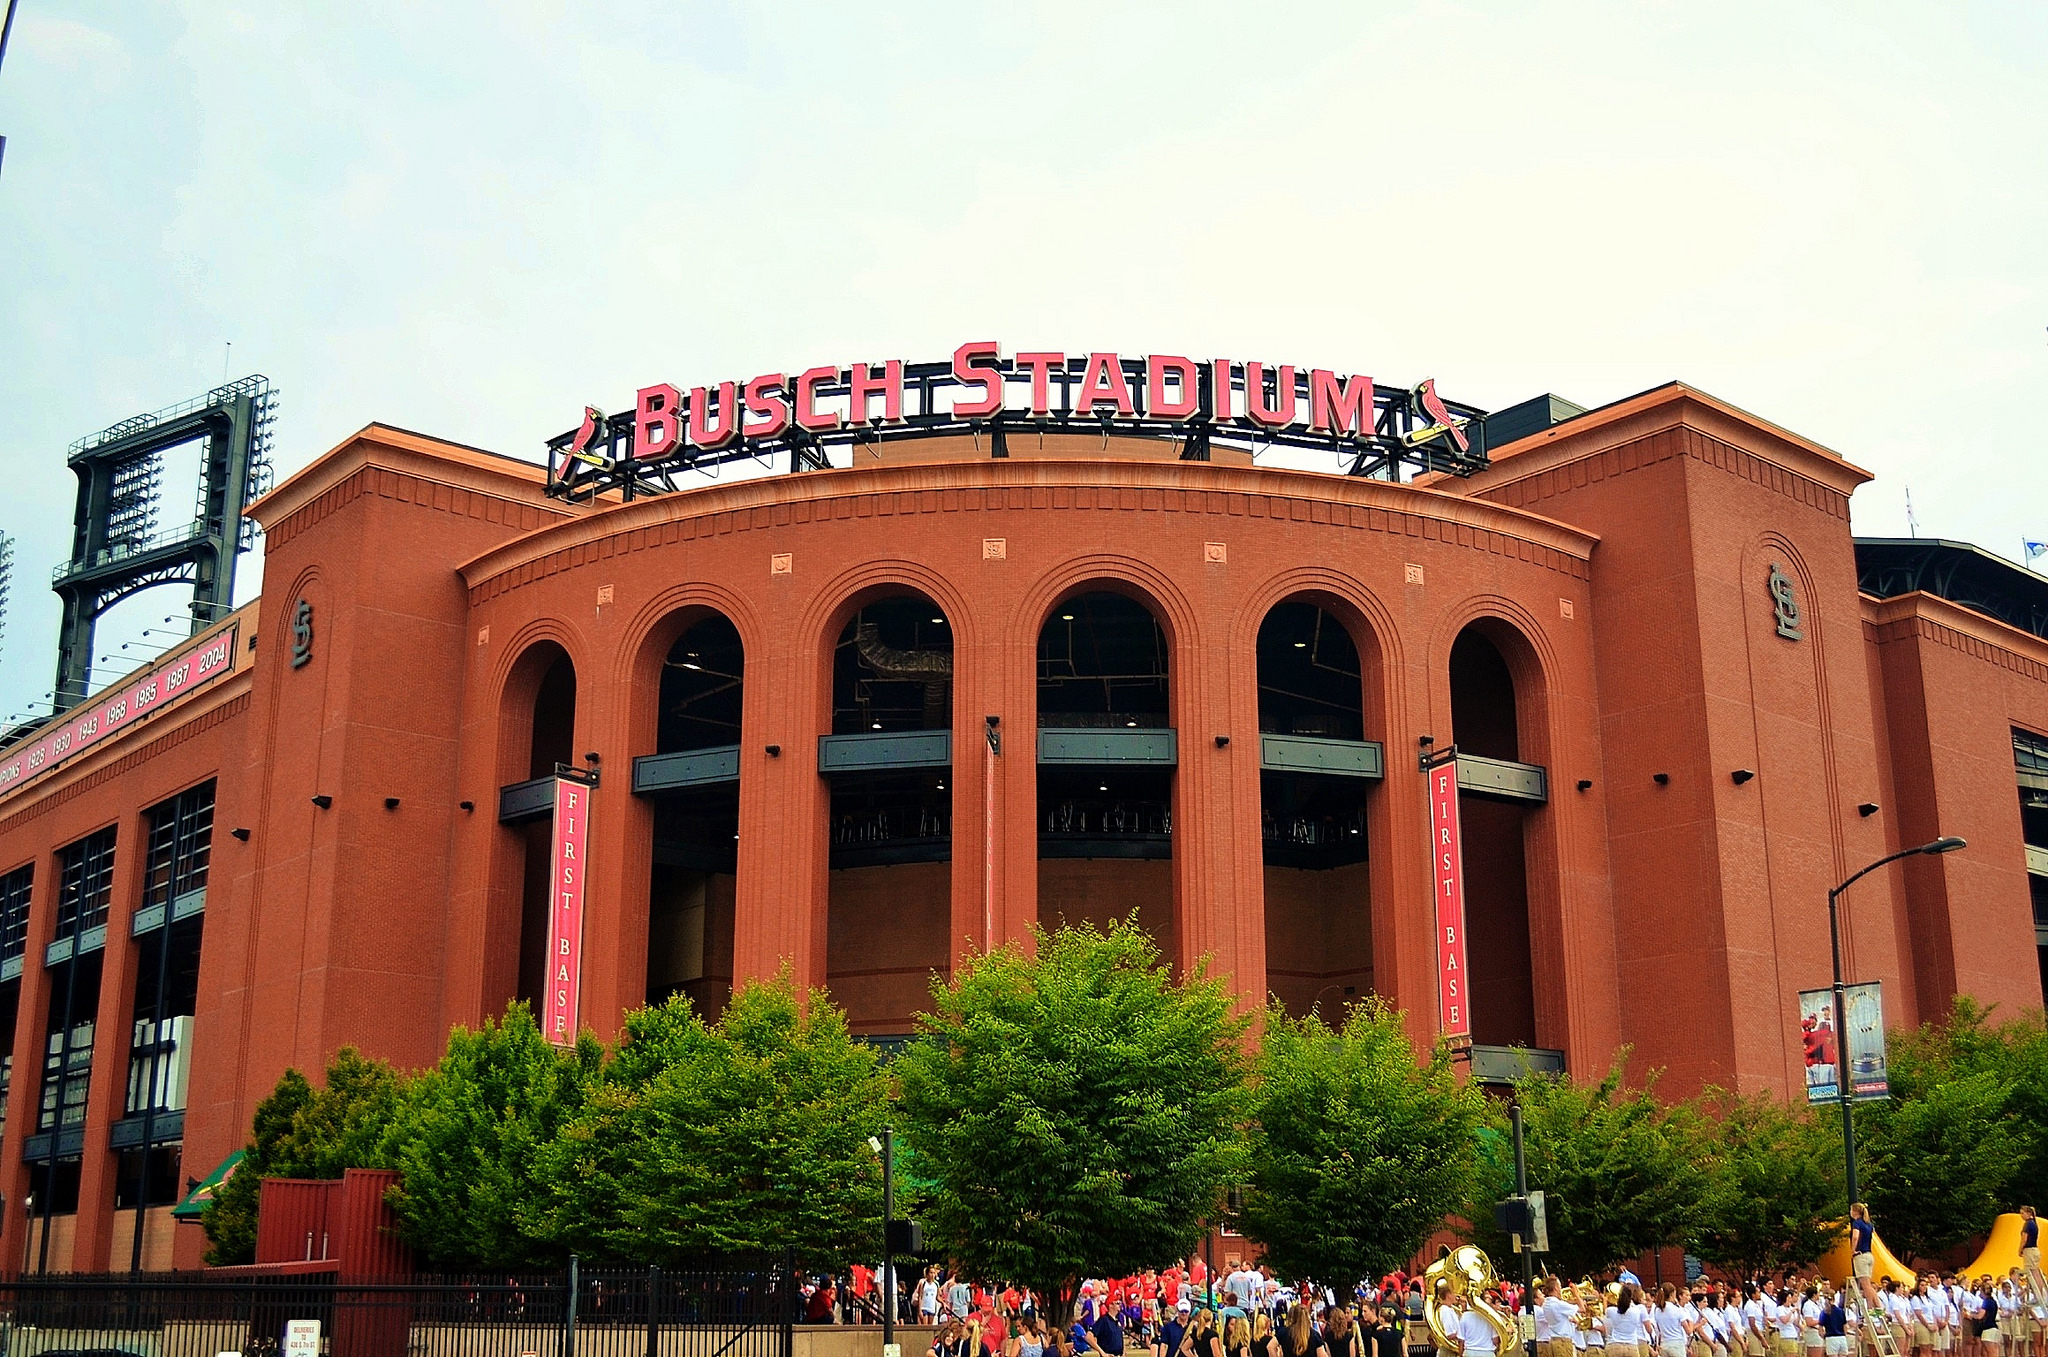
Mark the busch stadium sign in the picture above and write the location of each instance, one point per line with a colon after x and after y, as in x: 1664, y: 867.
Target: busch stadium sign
x: 794, y: 418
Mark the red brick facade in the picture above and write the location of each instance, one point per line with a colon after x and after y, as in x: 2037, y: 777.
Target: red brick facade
x: 1616, y: 565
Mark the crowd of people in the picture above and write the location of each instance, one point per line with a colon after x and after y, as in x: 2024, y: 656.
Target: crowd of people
x: 1182, y: 1311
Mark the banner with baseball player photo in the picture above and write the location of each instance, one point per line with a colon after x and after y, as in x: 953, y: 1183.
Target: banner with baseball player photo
x: 1825, y: 1040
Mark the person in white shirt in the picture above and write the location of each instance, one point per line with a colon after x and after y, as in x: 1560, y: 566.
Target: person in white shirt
x: 1672, y: 1333
x: 1475, y: 1336
x: 1754, y: 1339
x: 1628, y: 1321
x: 1557, y: 1319
x: 1785, y: 1328
x: 1737, y: 1324
x: 1809, y: 1320
x: 1697, y: 1342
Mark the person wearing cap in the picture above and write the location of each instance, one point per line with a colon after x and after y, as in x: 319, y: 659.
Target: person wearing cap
x: 1166, y: 1342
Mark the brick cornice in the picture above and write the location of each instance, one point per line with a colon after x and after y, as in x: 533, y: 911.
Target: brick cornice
x: 89, y: 775
x: 1926, y: 617
x: 1670, y: 421
x: 995, y: 486
x: 413, y: 469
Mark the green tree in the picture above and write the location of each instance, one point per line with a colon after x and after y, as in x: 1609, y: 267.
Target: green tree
x: 300, y: 1132
x: 1966, y: 1041
x: 1356, y: 1152
x: 743, y: 1137
x: 1616, y: 1168
x: 1774, y: 1196
x: 467, y: 1135
x: 230, y: 1223
x: 1074, y: 1107
x: 1935, y: 1162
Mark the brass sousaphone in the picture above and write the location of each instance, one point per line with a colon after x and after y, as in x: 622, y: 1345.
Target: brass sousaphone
x: 1457, y: 1280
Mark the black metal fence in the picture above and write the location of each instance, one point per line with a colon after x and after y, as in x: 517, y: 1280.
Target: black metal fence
x: 651, y: 1313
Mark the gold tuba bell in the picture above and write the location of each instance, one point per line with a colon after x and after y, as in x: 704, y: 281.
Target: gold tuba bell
x: 1458, y: 1280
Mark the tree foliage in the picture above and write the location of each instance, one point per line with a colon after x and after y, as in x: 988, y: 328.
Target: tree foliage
x: 468, y: 1136
x: 1073, y: 1108
x: 1934, y: 1162
x: 743, y: 1137
x: 1965, y: 1131
x: 1356, y: 1153
x: 300, y: 1132
x: 1617, y: 1170
x: 1774, y: 1194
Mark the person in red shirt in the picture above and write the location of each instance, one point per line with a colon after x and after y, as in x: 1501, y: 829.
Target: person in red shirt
x: 863, y: 1287
x: 994, y: 1330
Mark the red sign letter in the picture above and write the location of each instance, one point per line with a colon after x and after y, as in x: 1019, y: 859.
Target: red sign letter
x: 766, y: 401
x: 984, y: 375
x: 703, y: 432
x: 889, y: 386
x: 1104, y: 383
x: 657, y: 428
x: 1039, y: 365
x: 808, y: 415
x: 1447, y: 875
x: 1281, y: 412
x: 1335, y: 407
x: 1183, y: 406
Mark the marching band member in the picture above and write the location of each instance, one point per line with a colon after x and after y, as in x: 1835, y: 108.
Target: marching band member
x: 1810, y: 1308
x: 1786, y: 1325
x: 1628, y: 1324
x: 1673, y: 1336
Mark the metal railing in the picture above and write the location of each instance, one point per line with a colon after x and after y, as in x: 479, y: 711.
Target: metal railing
x: 605, y: 1313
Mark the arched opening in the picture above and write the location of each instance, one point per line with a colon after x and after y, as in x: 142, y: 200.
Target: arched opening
x: 889, y: 761
x: 1316, y: 770
x: 551, y: 740
x: 692, y: 784
x: 1106, y: 758
x: 1485, y: 725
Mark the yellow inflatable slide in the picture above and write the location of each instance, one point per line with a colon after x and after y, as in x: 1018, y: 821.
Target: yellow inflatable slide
x: 1835, y: 1265
x: 2001, y: 1252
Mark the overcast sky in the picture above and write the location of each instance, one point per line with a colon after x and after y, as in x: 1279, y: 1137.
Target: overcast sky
x: 469, y: 219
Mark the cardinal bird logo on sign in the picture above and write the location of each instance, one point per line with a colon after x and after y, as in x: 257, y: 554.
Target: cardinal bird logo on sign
x: 1425, y: 404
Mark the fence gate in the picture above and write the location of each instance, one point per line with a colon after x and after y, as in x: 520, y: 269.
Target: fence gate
x: 578, y: 1313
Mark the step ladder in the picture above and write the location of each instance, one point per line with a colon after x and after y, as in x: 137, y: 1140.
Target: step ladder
x: 1878, y: 1330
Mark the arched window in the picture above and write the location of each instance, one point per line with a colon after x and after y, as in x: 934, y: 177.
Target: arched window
x: 1316, y: 773
x: 1106, y: 762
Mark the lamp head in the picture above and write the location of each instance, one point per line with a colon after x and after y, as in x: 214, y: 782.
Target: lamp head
x: 1947, y: 843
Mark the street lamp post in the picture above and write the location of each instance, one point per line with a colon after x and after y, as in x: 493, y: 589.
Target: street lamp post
x: 1945, y: 844
x: 886, y: 1148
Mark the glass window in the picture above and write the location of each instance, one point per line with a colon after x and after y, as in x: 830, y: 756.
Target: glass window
x: 180, y: 846
x: 86, y: 887
x: 15, y: 890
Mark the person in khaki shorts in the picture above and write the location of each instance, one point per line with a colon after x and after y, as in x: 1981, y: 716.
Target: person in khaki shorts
x: 2030, y: 1250
x: 1784, y: 1321
x: 1862, y: 1256
x: 1556, y: 1321
x: 1628, y: 1330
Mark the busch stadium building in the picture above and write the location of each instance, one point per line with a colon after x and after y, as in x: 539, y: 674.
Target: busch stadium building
x: 1554, y: 727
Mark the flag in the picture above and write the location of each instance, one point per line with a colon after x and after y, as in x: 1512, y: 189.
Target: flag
x: 2034, y: 548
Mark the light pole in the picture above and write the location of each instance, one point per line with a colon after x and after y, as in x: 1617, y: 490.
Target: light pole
x: 886, y: 1147
x: 1945, y: 844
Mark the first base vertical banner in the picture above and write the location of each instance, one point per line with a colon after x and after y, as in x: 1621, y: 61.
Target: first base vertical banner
x: 1447, y: 873
x: 565, y: 918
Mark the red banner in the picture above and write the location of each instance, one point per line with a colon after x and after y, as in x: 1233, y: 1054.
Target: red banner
x: 565, y: 915
x: 1447, y: 873
x: 119, y: 708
